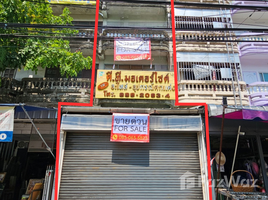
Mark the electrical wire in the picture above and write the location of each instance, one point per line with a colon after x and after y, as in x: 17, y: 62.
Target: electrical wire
x: 258, y: 18
x: 79, y: 34
x: 47, y: 26
x: 245, y: 19
x: 210, y: 39
x: 139, y: 2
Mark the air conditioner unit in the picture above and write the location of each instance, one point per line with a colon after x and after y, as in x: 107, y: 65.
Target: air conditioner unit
x: 22, y: 144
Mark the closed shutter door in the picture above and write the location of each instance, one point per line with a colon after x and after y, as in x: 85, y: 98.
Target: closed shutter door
x: 95, y: 168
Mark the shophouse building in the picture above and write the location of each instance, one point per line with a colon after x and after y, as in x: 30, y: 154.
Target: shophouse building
x: 173, y: 163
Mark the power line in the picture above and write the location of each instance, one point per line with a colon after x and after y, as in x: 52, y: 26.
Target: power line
x: 192, y: 4
x: 200, y: 39
x: 47, y: 26
x: 248, y: 7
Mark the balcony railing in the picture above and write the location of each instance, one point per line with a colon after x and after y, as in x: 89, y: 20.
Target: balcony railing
x: 46, y: 90
x: 211, y: 92
x: 55, y: 85
x: 9, y: 90
x: 50, y: 91
x: 253, y: 47
x: 258, y: 94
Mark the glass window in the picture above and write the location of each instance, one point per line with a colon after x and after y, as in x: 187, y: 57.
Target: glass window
x: 9, y: 73
x: 53, y: 73
x: 264, y: 77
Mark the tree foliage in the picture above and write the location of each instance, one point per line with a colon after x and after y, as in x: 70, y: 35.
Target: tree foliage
x: 36, y: 50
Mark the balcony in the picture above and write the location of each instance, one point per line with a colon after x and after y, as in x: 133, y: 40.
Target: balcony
x: 9, y: 90
x: 258, y: 94
x: 210, y: 80
x: 47, y: 91
x: 211, y: 92
x: 253, y: 47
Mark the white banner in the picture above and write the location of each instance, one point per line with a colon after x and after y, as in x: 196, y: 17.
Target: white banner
x: 6, y: 124
x: 132, y: 49
x: 129, y: 123
x: 130, y: 127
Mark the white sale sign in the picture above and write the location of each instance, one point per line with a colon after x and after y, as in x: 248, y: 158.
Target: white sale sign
x: 130, y: 127
x: 6, y: 124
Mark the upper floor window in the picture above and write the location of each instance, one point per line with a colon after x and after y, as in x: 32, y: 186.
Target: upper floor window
x: 202, y: 18
x: 207, y: 71
x: 9, y: 73
x: 264, y: 77
x: 189, y: 22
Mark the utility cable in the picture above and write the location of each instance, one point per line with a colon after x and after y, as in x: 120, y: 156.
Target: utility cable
x: 47, y: 26
x: 178, y: 3
x: 48, y: 148
x: 218, y: 39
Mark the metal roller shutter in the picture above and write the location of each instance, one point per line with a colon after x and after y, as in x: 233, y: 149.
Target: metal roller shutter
x: 95, y: 168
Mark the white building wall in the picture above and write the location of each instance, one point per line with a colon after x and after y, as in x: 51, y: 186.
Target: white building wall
x: 252, y: 69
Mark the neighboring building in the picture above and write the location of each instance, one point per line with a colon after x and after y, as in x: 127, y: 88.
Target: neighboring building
x: 208, y: 69
x: 253, y: 52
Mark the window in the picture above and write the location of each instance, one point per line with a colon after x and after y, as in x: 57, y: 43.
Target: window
x: 191, y: 22
x: 9, y: 73
x: 207, y: 71
x: 85, y: 73
x: 53, y: 73
x: 264, y: 77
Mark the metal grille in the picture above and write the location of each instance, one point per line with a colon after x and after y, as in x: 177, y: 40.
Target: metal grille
x: 95, y: 168
x: 190, y: 22
x: 208, y: 71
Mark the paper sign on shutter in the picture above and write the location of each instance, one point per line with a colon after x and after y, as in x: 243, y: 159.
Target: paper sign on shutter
x: 130, y: 128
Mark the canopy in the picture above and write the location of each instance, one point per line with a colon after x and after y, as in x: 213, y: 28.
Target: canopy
x: 246, y: 113
x: 34, y: 112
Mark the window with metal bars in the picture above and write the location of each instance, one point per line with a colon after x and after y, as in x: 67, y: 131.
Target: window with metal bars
x: 208, y: 71
x: 9, y: 73
x: 192, y: 22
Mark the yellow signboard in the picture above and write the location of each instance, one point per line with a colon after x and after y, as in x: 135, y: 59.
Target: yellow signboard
x: 124, y: 84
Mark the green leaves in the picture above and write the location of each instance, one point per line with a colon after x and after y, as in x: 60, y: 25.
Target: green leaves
x: 33, y: 52
x: 52, y: 54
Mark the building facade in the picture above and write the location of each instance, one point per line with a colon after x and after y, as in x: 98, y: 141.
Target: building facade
x: 174, y: 164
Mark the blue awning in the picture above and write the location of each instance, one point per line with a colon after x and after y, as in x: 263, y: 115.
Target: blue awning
x: 34, y: 112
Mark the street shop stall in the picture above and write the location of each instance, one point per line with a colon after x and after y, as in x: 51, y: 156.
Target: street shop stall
x: 163, y: 159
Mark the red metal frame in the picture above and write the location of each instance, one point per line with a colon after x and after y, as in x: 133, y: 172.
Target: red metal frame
x: 190, y: 104
x: 90, y: 104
